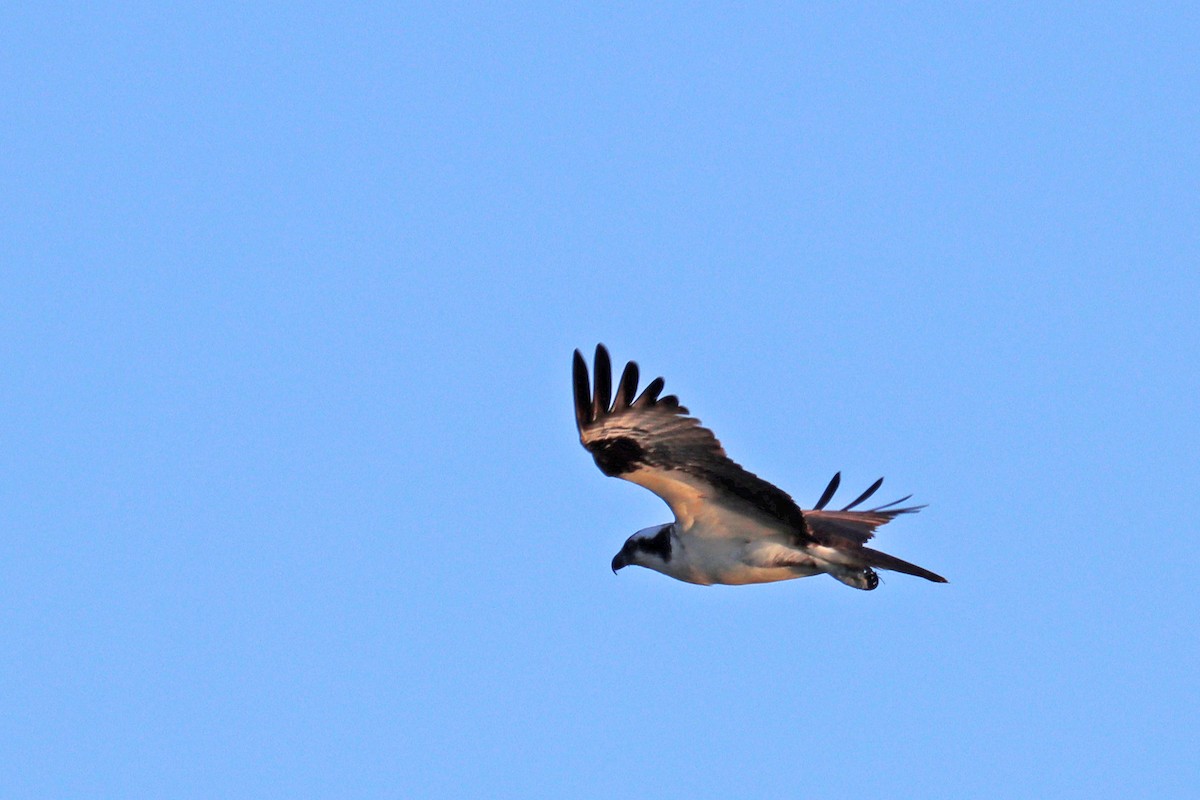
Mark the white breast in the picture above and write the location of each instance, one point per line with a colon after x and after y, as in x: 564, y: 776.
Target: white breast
x: 749, y: 556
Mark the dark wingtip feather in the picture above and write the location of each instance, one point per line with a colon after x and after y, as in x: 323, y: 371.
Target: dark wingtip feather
x: 827, y: 495
x: 886, y: 506
x: 650, y: 393
x: 583, y: 393
x: 870, y: 491
x: 671, y: 403
x: 628, y: 386
x: 603, y: 377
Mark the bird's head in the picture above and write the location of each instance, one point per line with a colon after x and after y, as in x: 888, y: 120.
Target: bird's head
x: 649, y: 547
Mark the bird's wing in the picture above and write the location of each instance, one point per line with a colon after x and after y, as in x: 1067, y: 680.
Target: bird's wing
x: 651, y: 441
x: 828, y: 526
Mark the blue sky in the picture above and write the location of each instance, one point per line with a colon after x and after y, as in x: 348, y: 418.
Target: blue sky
x: 291, y: 498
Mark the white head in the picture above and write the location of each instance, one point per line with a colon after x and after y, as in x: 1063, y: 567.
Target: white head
x: 649, y: 547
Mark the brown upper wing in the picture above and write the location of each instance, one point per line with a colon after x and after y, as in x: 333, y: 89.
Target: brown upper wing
x: 652, y: 441
x: 857, y: 526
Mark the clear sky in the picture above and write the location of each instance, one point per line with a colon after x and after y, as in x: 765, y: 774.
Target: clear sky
x: 291, y: 500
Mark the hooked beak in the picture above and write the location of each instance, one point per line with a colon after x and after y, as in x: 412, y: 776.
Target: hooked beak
x: 619, y: 561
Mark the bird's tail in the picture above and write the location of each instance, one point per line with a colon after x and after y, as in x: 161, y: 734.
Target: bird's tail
x: 875, y: 558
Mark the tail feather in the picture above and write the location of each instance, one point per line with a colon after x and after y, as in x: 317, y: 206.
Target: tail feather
x: 875, y: 558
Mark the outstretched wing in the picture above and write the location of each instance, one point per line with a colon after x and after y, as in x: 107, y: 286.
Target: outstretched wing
x: 857, y: 526
x: 651, y: 441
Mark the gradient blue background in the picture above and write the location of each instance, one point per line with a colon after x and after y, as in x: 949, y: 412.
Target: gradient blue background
x: 291, y: 499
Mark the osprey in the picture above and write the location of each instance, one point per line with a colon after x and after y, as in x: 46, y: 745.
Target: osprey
x: 730, y: 525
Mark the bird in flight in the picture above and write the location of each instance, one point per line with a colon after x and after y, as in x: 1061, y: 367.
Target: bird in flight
x: 730, y: 525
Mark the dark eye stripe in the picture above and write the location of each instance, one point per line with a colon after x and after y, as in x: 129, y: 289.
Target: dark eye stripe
x: 659, y: 544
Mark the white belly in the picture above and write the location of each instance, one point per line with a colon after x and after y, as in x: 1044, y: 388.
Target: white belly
x: 705, y: 560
